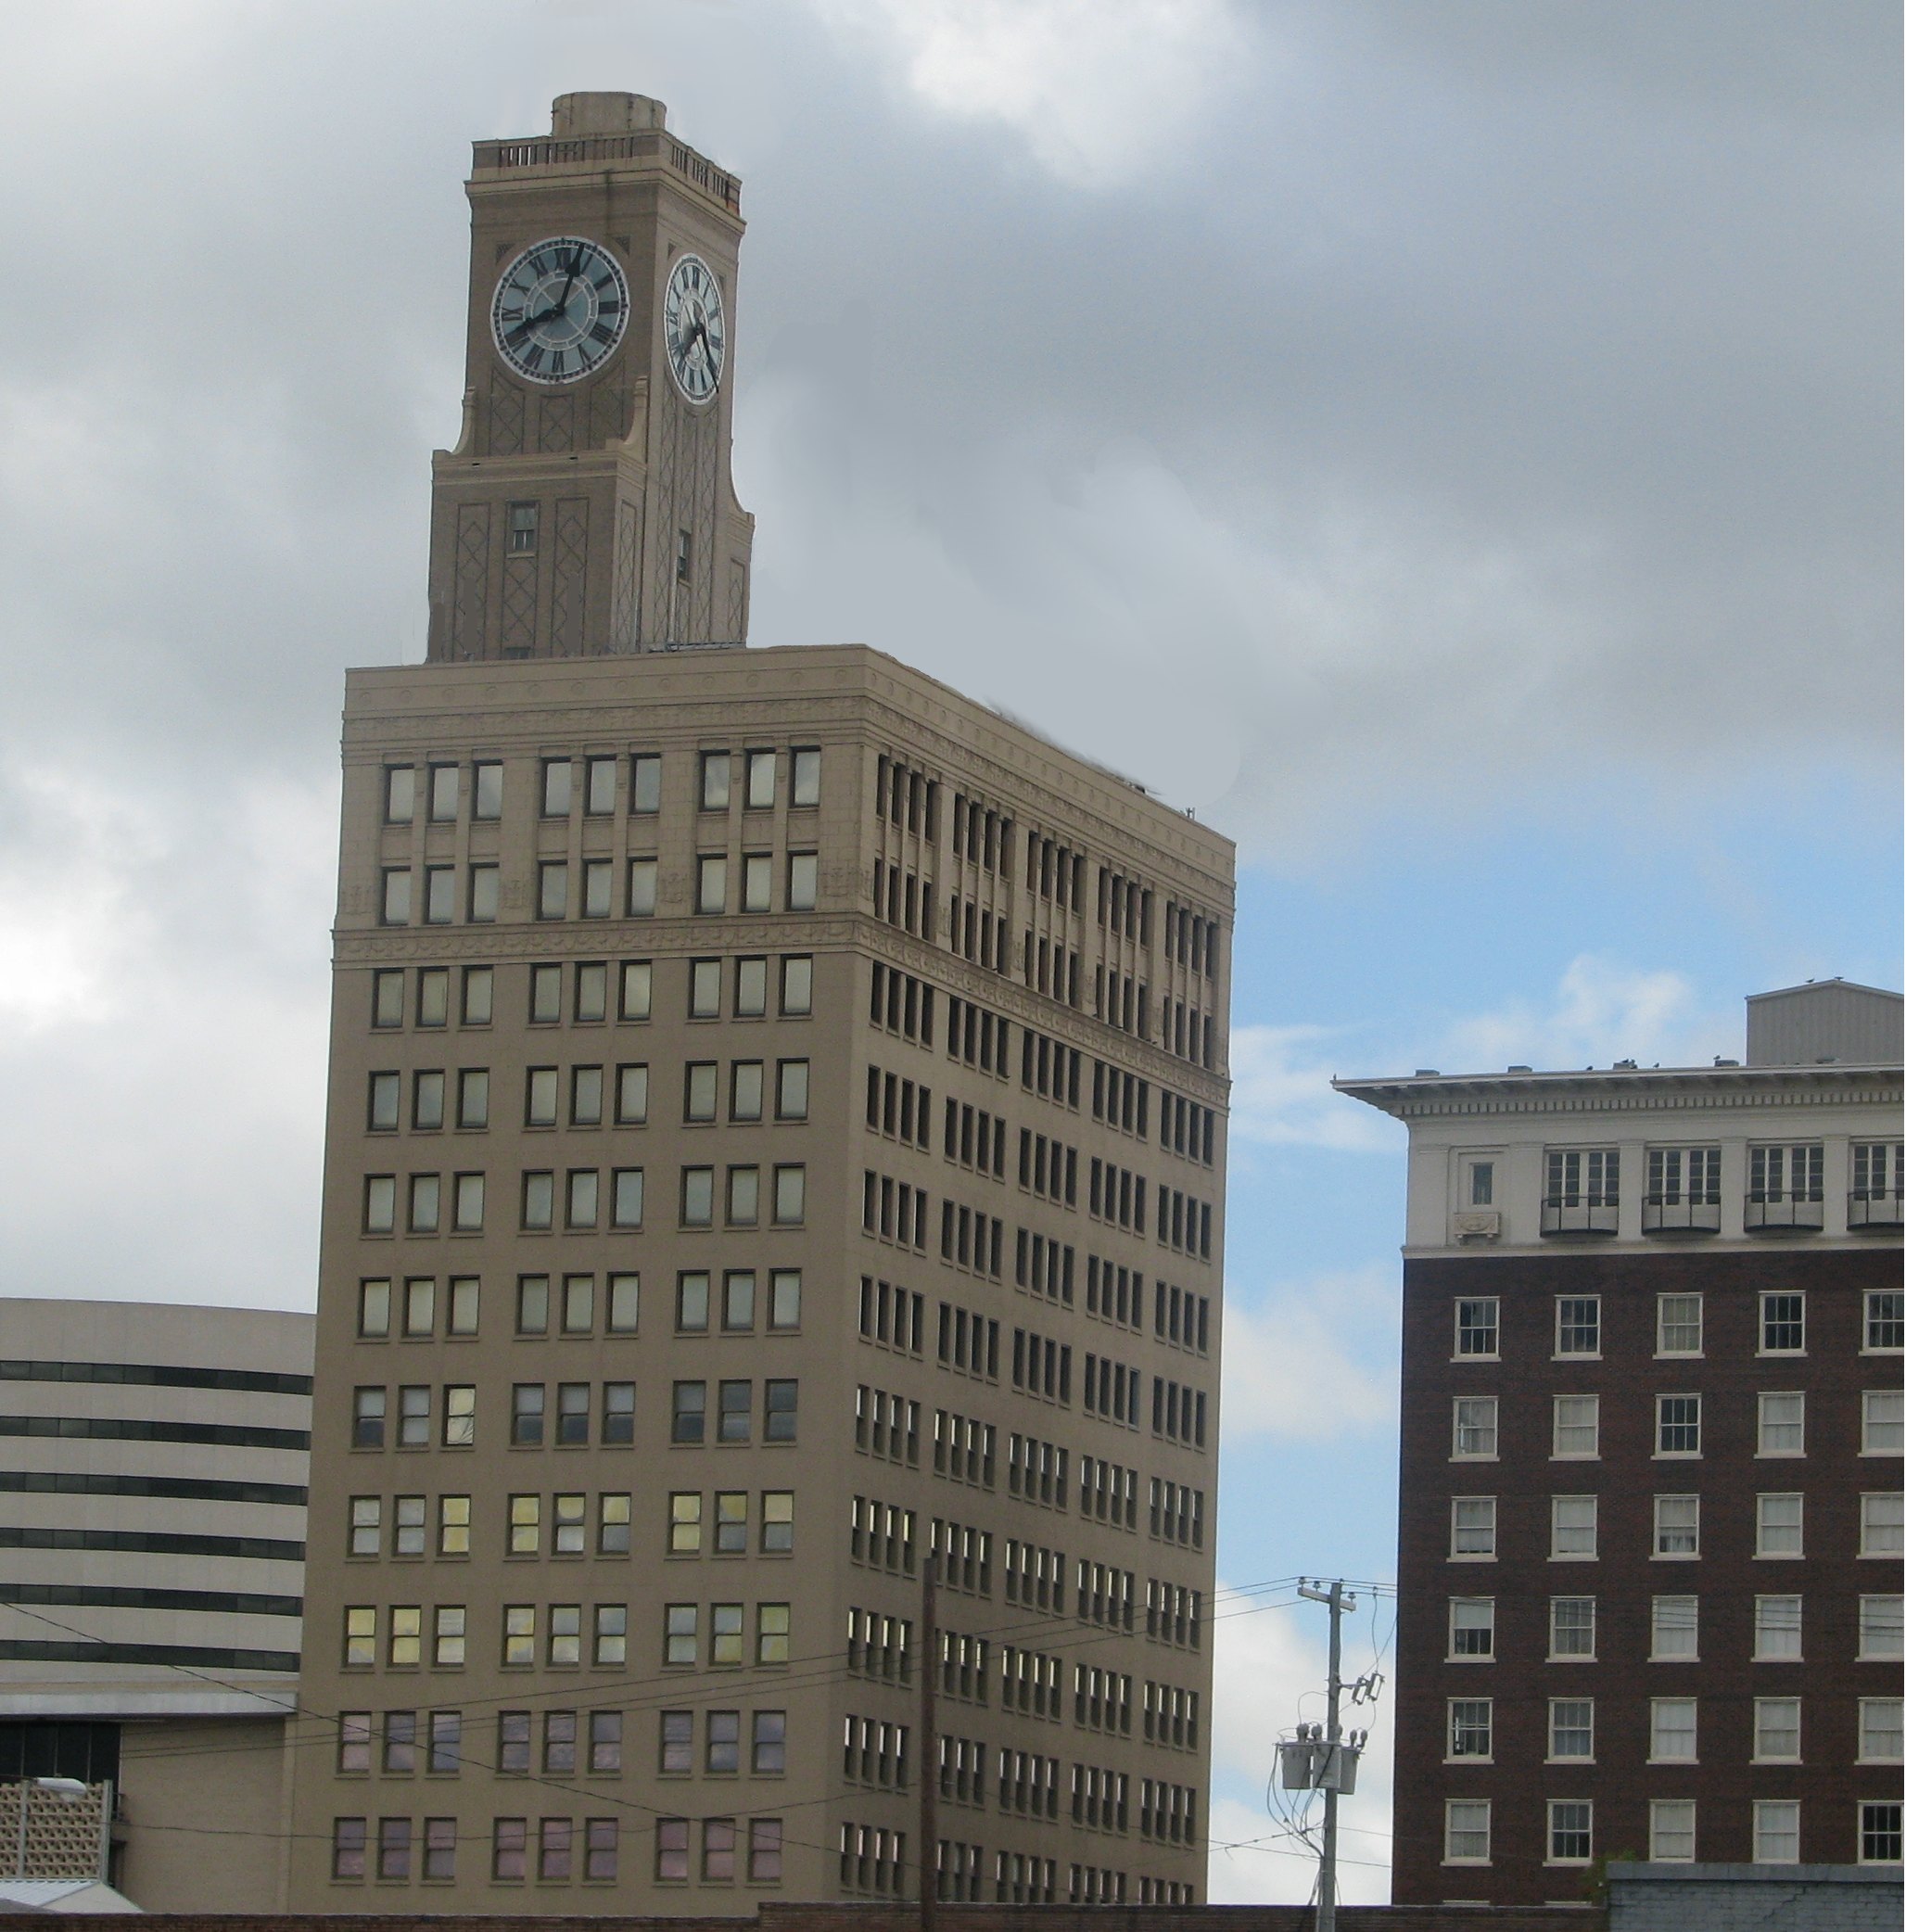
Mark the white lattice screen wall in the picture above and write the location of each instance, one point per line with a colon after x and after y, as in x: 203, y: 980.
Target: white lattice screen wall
x: 52, y: 1834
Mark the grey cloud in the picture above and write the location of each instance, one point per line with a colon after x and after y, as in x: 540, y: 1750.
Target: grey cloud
x: 1460, y: 398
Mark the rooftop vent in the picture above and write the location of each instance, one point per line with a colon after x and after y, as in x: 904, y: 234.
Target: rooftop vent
x: 1521, y: 1070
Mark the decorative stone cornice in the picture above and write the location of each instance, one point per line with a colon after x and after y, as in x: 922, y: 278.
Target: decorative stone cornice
x: 1640, y: 1090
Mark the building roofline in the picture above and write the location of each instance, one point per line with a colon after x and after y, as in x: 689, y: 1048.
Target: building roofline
x: 1850, y: 986
x: 1396, y: 1094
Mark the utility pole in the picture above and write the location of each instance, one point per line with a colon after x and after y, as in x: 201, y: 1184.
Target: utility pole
x: 929, y: 1758
x: 1338, y: 1601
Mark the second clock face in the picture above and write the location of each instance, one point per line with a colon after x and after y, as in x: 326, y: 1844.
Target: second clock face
x: 560, y: 309
x: 694, y: 328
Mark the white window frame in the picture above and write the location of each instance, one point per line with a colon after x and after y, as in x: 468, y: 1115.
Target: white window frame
x: 1762, y: 1528
x: 1770, y: 1623
x: 1867, y: 1347
x: 1658, y: 1831
x: 1456, y: 1556
x: 1664, y: 1454
x: 1477, y: 1417
x: 1593, y: 1452
x: 1593, y: 1513
x: 1657, y: 1554
x: 1461, y: 1302
x: 1663, y: 1352
x: 1450, y: 1754
x: 1868, y: 1705
x: 1763, y: 1809
x: 1764, y: 1709
x: 1762, y: 1425
x: 1451, y: 1806
x: 1586, y: 1858
x: 1454, y: 1656
x: 1555, y: 1757
x: 1659, y: 1621
x: 1556, y: 1351
x: 1656, y: 1706
x: 1574, y: 1656
x: 1874, y: 1620
x: 1875, y: 1504
x: 1760, y: 1302
x: 1895, y: 1424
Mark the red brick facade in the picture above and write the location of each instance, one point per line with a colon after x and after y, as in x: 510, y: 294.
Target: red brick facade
x: 1625, y: 1575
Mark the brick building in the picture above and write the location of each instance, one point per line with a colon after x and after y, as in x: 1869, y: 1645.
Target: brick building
x: 1651, y: 1425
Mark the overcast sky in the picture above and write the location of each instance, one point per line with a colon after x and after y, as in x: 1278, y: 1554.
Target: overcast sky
x: 1452, y: 447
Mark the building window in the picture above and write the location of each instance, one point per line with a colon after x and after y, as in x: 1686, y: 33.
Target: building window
x: 1465, y: 1830
x: 1578, y: 1324
x: 690, y: 1414
x: 552, y: 889
x: 1572, y: 1730
x: 522, y: 526
x: 705, y: 989
x: 1671, y: 1723
x: 1677, y: 1425
x: 1678, y: 1324
x: 711, y: 882
x: 557, y: 787
x: 685, y: 557
x: 1882, y: 1630
x: 396, y: 907
x: 796, y: 985
x: 1784, y: 1187
x: 1675, y: 1630
x: 1882, y: 1414
x: 1571, y: 1629
x: 1577, y: 1427
x: 1671, y: 1831
x: 1584, y: 1192
x: 804, y: 880
x: 349, y: 1839
x: 1683, y: 1190
x: 1880, y: 1524
x: 1570, y: 1830
x: 1776, y: 1729
x: 790, y: 1196
x: 400, y: 794
x: 486, y: 792
x: 757, y: 882
x: 1879, y: 1832
x: 1879, y: 1730
x: 1472, y: 1527
x: 1470, y: 1729
x: 1782, y: 1424
x: 1779, y: 1526
x: 1474, y: 1428
x: 1778, y: 1630
x: 1783, y: 1324
x: 1886, y: 1321
x: 1472, y: 1629
x: 1677, y: 1526
x: 1776, y: 1831
x: 1572, y: 1523
x: 1478, y: 1326
x: 806, y: 789
x: 714, y: 782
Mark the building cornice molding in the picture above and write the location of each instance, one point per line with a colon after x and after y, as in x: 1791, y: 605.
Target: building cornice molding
x: 1682, y: 1091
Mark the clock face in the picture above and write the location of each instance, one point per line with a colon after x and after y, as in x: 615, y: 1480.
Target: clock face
x: 694, y: 329
x: 560, y: 309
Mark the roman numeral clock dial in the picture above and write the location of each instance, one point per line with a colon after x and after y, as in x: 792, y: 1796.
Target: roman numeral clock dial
x: 560, y: 309
x: 694, y: 327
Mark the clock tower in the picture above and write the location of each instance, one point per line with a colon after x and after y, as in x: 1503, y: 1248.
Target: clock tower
x: 588, y: 508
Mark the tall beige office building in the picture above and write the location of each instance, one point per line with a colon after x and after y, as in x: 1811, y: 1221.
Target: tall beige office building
x: 777, y: 1134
